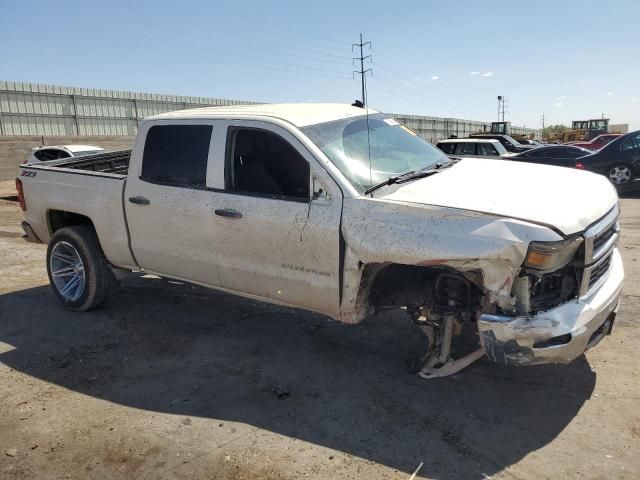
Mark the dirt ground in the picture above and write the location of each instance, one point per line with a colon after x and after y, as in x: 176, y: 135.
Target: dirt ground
x: 173, y: 381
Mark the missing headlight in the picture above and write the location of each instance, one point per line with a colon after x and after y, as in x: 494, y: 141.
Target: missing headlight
x: 552, y: 289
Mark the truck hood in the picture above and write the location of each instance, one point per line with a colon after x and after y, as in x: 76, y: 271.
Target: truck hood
x: 567, y: 199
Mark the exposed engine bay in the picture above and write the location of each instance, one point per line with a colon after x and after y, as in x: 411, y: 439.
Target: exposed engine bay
x: 445, y: 305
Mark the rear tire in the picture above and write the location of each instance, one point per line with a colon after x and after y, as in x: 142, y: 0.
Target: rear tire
x: 78, y: 271
x: 619, y: 174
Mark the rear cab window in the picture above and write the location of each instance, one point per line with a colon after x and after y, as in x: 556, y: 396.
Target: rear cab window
x: 176, y: 155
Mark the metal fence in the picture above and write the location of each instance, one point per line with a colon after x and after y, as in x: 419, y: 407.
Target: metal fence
x: 439, y: 128
x: 51, y: 110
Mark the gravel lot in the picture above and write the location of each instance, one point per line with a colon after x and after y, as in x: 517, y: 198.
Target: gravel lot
x: 174, y: 381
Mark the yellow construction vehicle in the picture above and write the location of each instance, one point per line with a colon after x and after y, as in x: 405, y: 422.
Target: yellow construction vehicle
x: 584, y: 130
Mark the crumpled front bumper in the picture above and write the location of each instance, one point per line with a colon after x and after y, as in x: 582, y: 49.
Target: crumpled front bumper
x: 559, y: 335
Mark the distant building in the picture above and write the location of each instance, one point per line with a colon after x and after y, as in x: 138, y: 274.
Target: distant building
x: 619, y: 127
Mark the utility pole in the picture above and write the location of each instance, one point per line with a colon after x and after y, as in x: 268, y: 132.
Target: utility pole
x: 502, y: 106
x: 542, y: 134
x: 362, y: 72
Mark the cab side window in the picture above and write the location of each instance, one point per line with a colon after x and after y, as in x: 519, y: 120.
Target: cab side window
x: 263, y: 163
x: 556, y: 153
x: 571, y: 153
x: 447, y: 147
x: 466, y: 148
x: 537, y: 153
x: 631, y: 143
x: 50, y: 154
x: 487, y: 150
x: 177, y: 155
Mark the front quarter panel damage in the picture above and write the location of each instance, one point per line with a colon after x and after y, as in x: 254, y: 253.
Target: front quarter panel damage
x: 384, y: 232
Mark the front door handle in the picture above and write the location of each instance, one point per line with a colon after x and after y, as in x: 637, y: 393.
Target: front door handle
x: 228, y: 212
x: 139, y: 200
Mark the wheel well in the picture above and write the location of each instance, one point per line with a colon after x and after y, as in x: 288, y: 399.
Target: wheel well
x: 399, y: 285
x: 60, y: 218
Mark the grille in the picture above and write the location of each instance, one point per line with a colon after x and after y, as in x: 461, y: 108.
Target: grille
x: 599, y: 271
x: 602, y: 238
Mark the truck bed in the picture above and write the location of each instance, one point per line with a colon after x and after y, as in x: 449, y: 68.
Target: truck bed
x: 91, y: 186
x: 110, y: 162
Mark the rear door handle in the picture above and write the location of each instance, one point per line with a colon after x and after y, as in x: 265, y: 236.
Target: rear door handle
x: 139, y: 200
x: 228, y: 212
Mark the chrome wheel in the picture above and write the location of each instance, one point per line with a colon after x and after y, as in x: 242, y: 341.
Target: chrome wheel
x: 620, y: 174
x: 67, y: 271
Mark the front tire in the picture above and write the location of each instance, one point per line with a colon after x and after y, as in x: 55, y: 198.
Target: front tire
x: 619, y: 174
x: 78, y: 271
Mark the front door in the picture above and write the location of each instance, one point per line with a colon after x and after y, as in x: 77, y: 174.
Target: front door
x: 279, y: 242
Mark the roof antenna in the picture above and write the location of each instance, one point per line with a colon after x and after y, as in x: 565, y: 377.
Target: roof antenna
x: 358, y: 104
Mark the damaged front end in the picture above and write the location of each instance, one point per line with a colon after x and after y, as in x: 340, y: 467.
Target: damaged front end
x: 523, y: 292
x: 567, y: 296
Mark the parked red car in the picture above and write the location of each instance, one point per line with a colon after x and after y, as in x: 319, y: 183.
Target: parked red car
x: 598, y: 142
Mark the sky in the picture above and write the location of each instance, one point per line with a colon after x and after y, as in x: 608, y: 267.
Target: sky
x: 568, y: 60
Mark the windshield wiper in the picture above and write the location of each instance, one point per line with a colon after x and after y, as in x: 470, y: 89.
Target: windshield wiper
x: 412, y: 175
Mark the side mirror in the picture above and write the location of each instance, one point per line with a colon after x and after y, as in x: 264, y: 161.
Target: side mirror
x: 319, y: 192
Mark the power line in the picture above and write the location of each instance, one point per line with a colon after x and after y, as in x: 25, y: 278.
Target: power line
x: 316, y: 52
x: 436, y: 85
x: 286, y: 54
x: 286, y: 64
x: 459, y: 103
x: 432, y: 85
x: 448, y: 104
x: 362, y: 71
x: 300, y: 69
x: 303, y: 38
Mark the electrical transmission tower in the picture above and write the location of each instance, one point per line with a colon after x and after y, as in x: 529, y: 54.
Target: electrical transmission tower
x: 362, y: 72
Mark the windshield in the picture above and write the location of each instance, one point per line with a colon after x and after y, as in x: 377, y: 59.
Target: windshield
x: 511, y: 140
x: 500, y: 148
x: 394, y: 148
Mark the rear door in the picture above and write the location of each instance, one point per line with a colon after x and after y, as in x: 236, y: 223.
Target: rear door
x: 281, y: 213
x: 170, y: 211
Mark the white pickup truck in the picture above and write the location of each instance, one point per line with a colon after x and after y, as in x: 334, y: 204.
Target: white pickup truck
x: 340, y: 210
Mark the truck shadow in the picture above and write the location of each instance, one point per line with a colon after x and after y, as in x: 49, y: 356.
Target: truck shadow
x: 184, y: 350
